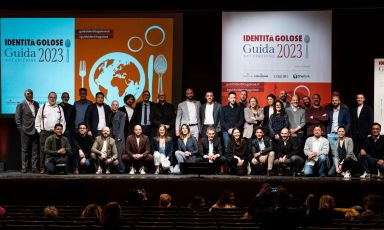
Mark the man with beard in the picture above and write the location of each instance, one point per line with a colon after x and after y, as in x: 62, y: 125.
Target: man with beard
x: 262, y: 150
x: 116, y: 123
x: 372, y: 153
x: 128, y: 110
x: 306, y: 102
x: 144, y: 114
x: 165, y: 115
x: 82, y: 147
x: 97, y: 115
x: 283, y: 98
x: 243, y: 98
x: 210, y: 114
x: 188, y: 113
x: 104, y: 152
x: 316, y: 115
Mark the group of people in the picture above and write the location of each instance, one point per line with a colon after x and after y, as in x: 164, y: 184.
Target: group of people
x: 296, y: 137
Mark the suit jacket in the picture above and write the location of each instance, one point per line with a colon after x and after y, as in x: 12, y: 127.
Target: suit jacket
x: 323, y: 147
x: 250, y: 123
x: 182, y: 116
x: 131, y: 146
x: 255, y: 147
x: 266, y: 120
x: 361, y: 126
x: 165, y: 114
x: 92, y: 116
x: 204, y: 146
x: 50, y: 146
x: 25, y: 120
x: 374, y: 149
x: 168, y: 146
x: 343, y: 120
x: 118, y: 125
x: 289, y: 149
x: 216, y: 115
x: 191, y: 146
x: 137, y: 114
x: 348, y: 143
x: 111, y: 147
x: 129, y: 124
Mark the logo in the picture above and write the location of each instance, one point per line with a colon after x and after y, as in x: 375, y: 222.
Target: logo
x: 301, y: 76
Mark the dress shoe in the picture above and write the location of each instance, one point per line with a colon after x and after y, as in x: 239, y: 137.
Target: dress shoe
x: 35, y: 170
x: 23, y: 170
x: 42, y: 171
x: 76, y: 171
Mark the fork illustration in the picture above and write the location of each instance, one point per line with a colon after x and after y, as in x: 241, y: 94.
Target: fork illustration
x: 82, y: 71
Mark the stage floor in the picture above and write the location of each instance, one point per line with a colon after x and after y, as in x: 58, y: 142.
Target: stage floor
x: 37, y: 189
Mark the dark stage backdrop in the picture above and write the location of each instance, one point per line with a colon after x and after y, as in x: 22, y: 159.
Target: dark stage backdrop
x: 356, y: 42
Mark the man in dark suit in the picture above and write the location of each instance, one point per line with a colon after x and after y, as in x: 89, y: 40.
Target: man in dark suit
x: 268, y: 111
x: 287, y: 153
x: 210, y: 114
x: 262, y: 150
x: 372, y: 153
x: 164, y: 115
x: 144, y: 113
x: 116, y: 123
x: 97, y: 115
x: 138, y: 151
x: 210, y: 148
x: 128, y: 110
x: 362, y: 119
x: 25, y: 121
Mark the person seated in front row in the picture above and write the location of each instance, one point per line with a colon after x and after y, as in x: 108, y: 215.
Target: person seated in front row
x: 239, y: 154
x: 372, y: 153
x: 211, y: 150
x: 187, y: 148
x: 104, y: 152
x: 58, y: 149
x: 138, y: 151
x: 288, y: 153
x: 316, y: 150
x: 83, y: 145
x: 261, y: 148
x: 345, y: 158
x: 162, y: 146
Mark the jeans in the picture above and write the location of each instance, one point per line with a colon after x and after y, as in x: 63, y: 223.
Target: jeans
x: 226, y: 139
x: 321, y: 163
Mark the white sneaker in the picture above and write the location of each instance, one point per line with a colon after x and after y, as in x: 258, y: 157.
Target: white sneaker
x: 249, y: 169
x: 171, y: 169
x: 347, y: 175
x: 107, y: 172
x: 365, y: 175
x: 142, y: 171
x: 378, y: 173
x: 176, y: 169
x: 99, y: 170
x: 157, y: 172
x: 132, y: 171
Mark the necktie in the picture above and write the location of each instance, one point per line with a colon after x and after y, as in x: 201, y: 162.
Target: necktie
x: 145, y: 113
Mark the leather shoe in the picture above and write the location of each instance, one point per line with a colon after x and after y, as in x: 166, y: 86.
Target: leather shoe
x: 42, y: 171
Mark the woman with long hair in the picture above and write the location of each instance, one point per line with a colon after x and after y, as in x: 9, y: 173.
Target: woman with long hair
x: 187, y: 148
x: 162, y: 146
x: 254, y: 116
x: 278, y: 120
x: 238, y: 152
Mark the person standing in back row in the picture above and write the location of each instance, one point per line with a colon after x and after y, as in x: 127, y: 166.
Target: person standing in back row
x: 188, y: 113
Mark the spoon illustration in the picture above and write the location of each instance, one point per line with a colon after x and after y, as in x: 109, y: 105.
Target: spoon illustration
x: 160, y: 67
x: 306, y: 40
x: 67, y: 44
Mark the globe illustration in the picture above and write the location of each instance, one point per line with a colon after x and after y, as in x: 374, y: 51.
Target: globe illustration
x: 116, y: 75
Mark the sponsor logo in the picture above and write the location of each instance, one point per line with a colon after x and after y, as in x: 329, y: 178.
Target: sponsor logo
x: 301, y: 76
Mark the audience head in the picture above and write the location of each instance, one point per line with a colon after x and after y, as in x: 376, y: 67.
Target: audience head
x: 111, y: 214
x: 189, y: 94
x: 227, y: 197
x: 211, y: 133
x: 129, y: 99
x: 99, y: 98
x: 374, y: 202
x: 165, y: 201
x: 136, y: 197
x: 28, y: 94
x: 92, y: 211
x: 209, y: 97
x: 271, y: 98
x: 311, y: 203
x: 137, y: 130
x: 282, y: 198
x: 2, y: 211
x: 52, y: 97
x: 83, y: 93
x: 65, y: 97
x: 146, y: 95
x: 197, y: 203
x: 232, y: 97
x: 326, y: 202
x: 375, y: 129
x: 114, y: 105
x: 51, y: 212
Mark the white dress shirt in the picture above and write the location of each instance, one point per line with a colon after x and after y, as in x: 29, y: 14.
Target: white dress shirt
x: 47, y: 119
x: 102, y: 122
x: 208, y: 120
